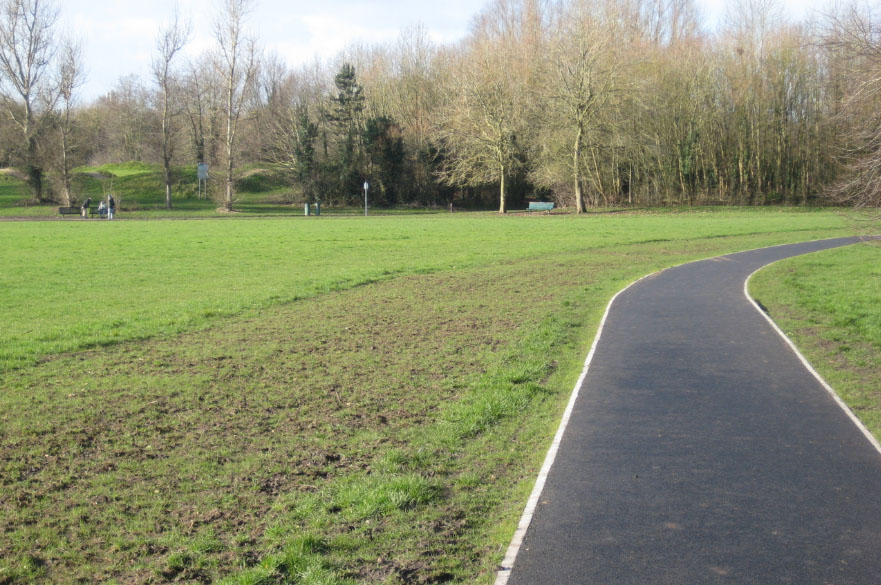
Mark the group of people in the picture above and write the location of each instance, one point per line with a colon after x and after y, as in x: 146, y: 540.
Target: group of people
x: 108, y: 209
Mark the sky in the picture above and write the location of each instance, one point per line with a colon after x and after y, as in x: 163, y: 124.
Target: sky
x: 119, y: 36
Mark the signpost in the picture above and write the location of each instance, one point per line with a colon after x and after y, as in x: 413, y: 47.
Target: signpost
x: 202, y: 172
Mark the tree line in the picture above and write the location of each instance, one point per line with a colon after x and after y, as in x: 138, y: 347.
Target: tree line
x: 584, y: 102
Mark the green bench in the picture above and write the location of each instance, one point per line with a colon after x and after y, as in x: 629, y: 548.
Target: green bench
x: 545, y: 206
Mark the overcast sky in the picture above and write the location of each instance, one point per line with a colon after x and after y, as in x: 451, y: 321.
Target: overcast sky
x: 119, y: 36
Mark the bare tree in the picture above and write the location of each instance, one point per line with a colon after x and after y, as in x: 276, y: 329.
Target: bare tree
x: 291, y: 135
x: 171, y: 41
x: 490, y: 83
x: 26, y: 54
x: 480, y: 123
x: 856, y: 37
x: 124, y: 122
x: 203, y: 108
x: 666, y: 22
x: 582, y: 76
x: 237, y: 66
x: 69, y: 77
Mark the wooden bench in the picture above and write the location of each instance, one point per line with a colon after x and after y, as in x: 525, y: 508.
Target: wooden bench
x: 70, y: 211
x: 79, y: 211
x: 545, y: 206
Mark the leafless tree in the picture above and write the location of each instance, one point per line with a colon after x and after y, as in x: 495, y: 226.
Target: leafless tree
x: 481, y: 121
x: 488, y: 86
x: 237, y: 63
x: 172, y: 39
x: 203, y: 108
x: 69, y: 77
x: 290, y: 137
x: 123, y: 122
x: 582, y: 76
x: 27, y: 50
x: 855, y: 37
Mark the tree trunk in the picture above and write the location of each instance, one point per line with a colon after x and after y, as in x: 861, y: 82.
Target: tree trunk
x: 167, y: 186
x: 228, y: 196
x: 503, y: 204
x: 65, y: 170
x: 576, y: 172
x: 166, y: 147
x: 34, y: 170
x: 34, y: 173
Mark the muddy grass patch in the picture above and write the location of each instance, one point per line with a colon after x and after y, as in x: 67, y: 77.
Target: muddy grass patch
x: 119, y: 462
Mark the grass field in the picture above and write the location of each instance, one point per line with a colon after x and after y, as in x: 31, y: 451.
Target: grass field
x: 73, y: 285
x: 830, y: 304
x: 299, y: 401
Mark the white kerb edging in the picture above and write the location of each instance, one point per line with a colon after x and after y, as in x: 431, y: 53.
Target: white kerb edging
x: 526, y: 519
x: 808, y: 365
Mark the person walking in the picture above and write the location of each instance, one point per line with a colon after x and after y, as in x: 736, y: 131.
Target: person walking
x: 85, y: 207
x: 111, y: 206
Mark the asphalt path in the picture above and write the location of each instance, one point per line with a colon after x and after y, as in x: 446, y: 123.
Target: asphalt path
x: 701, y: 449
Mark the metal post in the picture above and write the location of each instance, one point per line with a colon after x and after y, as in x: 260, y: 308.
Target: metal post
x: 366, y: 186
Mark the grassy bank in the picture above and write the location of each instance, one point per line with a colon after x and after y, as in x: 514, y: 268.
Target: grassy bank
x: 830, y: 304
x: 139, y: 191
x: 285, y: 401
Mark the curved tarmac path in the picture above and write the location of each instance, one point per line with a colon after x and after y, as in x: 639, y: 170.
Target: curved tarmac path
x: 701, y: 449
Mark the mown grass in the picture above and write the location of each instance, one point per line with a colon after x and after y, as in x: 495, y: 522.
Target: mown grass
x: 67, y: 286
x: 830, y: 304
x: 370, y: 407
